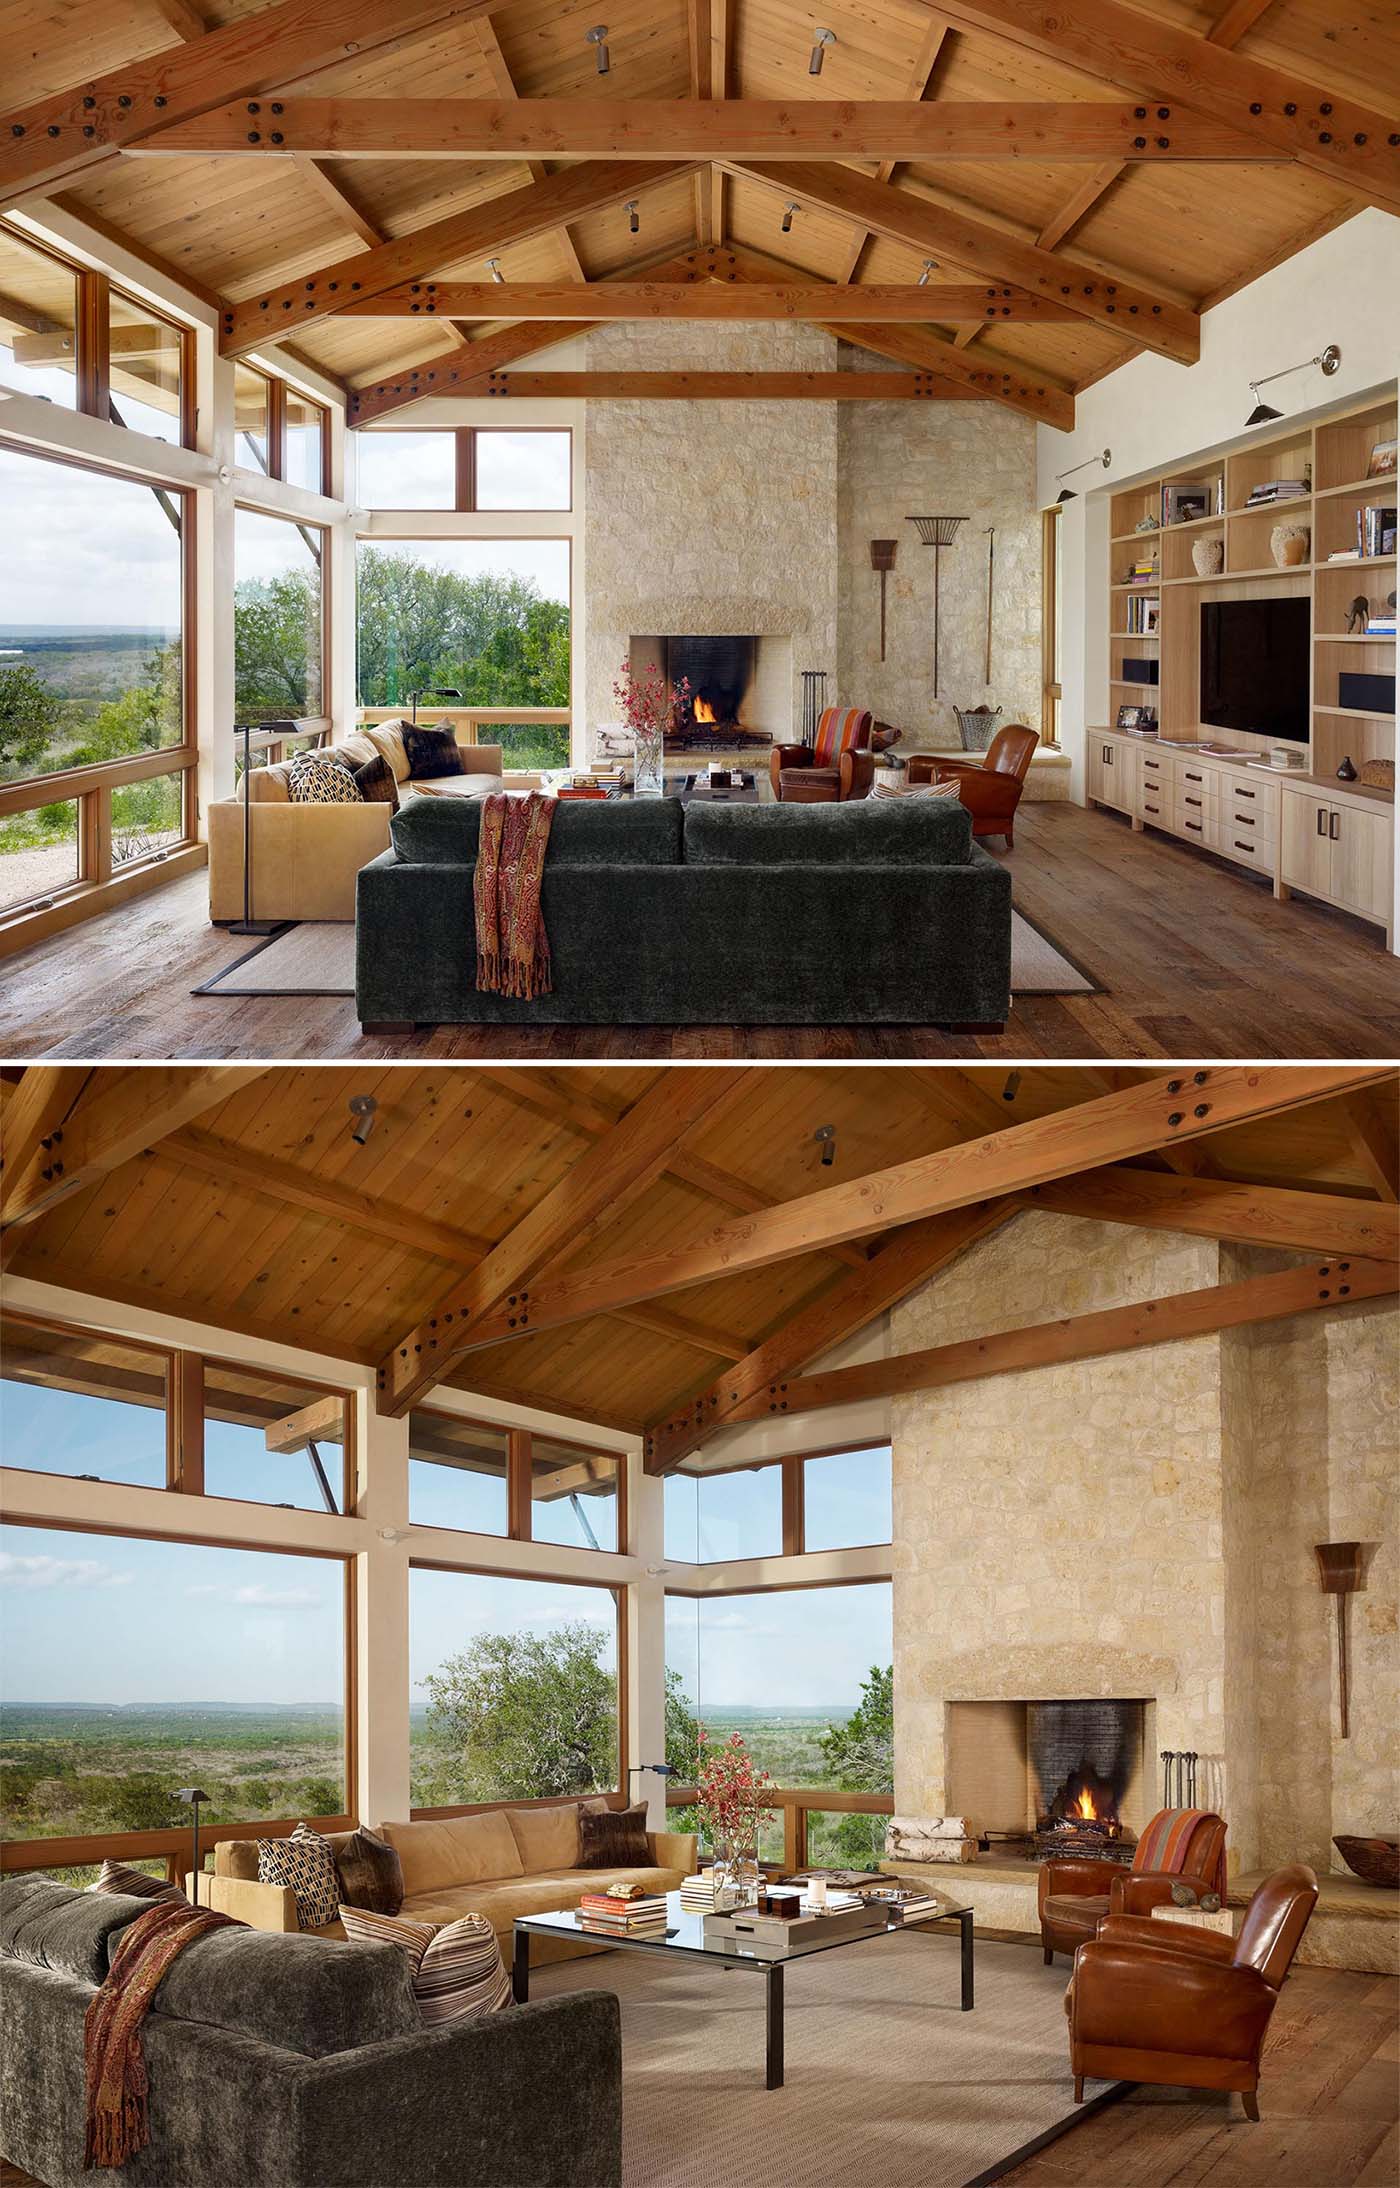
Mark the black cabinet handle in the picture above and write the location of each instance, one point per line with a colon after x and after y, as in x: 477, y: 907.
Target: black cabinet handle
x: 1196, y: 825
x: 1243, y: 846
x: 1334, y: 827
x: 1192, y: 778
x: 1192, y: 801
x: 1246, y: 793
x: 1322, y: 820
x: 1243, y: 820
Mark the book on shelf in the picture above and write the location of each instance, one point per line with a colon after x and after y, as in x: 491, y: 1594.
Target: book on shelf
x: 1375, y: 530
x: 1184, y: 504
x: 1264, y: 497
x: 1143, y: 615
x: 1381, y: 626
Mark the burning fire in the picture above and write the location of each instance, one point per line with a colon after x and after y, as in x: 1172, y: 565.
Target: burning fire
x: 1084, y: 1808
x: 703, y: 711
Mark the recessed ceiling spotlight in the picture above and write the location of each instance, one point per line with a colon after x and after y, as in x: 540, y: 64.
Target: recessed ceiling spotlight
x: 598, y: 38
x: 821, y: 39
x: 634, y: 218
x: 789, y: 209
x: 362, y: 1108
x: 930, y: 266
x: 825, y: 1137
x: 494, y: 266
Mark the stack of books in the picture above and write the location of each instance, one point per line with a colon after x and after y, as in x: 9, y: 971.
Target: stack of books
x: 1375, y: 530
x: 1143, y: 614
x: 1276, y: 490
x: 1143, y: 571
x: 608, y: 1914
x: 1381, y: 626
x: 698, y: 1893
x: 907, y: 1906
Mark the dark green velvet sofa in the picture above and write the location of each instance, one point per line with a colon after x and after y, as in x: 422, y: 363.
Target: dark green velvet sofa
x: 280, y: 2061
x: 880, y: 911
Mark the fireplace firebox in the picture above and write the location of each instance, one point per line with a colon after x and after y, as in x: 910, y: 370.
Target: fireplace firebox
x: 739, y: 697
x: 1054, y: 1777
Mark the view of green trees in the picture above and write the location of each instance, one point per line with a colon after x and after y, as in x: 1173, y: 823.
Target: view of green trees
x: 74, y: 701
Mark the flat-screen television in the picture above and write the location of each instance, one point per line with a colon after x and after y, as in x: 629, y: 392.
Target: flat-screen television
x: 1254, y: 667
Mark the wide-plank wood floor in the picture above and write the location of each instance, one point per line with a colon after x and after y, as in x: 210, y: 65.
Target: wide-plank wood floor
x: 1327, y: 2094
x: 1195, y: 960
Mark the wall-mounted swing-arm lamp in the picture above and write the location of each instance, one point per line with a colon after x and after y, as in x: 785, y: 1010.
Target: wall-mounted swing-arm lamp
x: 1067, y: 493
x: 1326, y: 360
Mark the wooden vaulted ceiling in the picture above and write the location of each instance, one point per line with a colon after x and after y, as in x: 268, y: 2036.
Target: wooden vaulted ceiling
x: 1175, y: 232
x: 673, y: 1232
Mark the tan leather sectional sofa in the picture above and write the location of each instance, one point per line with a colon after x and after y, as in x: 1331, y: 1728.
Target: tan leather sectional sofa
x: 306, y: 857
x: 503, y: 1863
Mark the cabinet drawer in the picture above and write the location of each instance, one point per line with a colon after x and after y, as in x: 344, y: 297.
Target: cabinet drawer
x: 1252, y: 798
x: 1252, y: 847
x: 1195, y: 825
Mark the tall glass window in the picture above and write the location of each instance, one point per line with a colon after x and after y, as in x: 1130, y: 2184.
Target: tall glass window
x: 278, y: 635
x: 146, y: 362
x: 304, y: 437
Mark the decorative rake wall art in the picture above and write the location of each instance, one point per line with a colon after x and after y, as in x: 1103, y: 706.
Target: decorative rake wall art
x: 937, y: 533
x: 882, y: 554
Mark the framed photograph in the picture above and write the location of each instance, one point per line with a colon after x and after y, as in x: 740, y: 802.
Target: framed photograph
x: 1130, y: 717
x: 1382, y: 464
x: 1151, y: 621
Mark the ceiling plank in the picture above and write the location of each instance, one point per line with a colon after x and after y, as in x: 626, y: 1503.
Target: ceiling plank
x: 535, y: 130
x: 116, y: 1115
x: 1335, y: 136
x: 903, y: 1263
x: 1159, y: 1111
x: 514, y: 217
x: 606, y: 1176
x: 980, y: 302
x: 1089, y: 1336
x: 76, y: 1276
x: 182, y: 18
x: 680, y: 1329
x: 1255, y: 1215
x: 919, y: 85
x: 499, y: 70
x: 976, y: 245
x: 49, y: 141
x: 690, y: 387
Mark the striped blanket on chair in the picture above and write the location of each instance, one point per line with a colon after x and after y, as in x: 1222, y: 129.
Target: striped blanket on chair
x: 1166, y: 1843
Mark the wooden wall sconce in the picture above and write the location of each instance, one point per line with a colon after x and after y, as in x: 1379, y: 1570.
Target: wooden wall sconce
x: 1339, y: 1570
x: 882, y: 554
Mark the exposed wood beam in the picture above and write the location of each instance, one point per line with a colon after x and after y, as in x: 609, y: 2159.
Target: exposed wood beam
x: 1239, y: 16
x: 609, y: 1174
x: 549, y: 1401
x: 534, y: 130
x: 182, y: 18
x: 1326, y: 1284
x: 979, y: 302
x: 920, y: 83
x: 33, y: 1111
x: 515, y: 217
x: 114, y: 1117
x: 902, y: 1264
x: 1350, y: 144
x: 1160, y: 1111
x: 956, y: 238
x: 50, y: 140
x: 324, y: 183
x: 1255, y: 1215
x: 681, y: 1329
x: 1373, y: 1129
x: 732, y: 387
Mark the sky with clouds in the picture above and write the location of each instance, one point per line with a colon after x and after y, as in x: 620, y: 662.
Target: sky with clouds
x: 79, y: 548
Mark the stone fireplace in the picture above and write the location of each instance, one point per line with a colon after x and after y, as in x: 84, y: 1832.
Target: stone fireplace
x: 1061, y: 1777
x: 740, y: 696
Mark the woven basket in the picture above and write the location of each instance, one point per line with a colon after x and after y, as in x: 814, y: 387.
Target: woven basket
x: 1375, y: 1861
x: 975, y: 726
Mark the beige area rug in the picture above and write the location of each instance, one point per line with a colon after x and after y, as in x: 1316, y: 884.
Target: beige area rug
x: 317, y: 957
x: 888, y: 2083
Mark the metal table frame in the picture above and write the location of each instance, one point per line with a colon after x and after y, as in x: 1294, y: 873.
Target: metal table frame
x: 554, y: 1925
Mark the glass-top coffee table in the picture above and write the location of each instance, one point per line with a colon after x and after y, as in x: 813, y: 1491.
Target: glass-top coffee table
x: 684, y: 1936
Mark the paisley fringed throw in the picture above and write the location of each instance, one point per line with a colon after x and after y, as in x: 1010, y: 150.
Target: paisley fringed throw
x: 117, y: 2123
x: 512, y: 948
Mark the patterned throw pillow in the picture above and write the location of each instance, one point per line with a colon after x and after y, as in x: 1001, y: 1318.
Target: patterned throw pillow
x: 115, y: 1876
x: 614, y: 1838
x: 915, y: 790
x: 315, y: 778
x: 458, y: 1972
x: 303, y: 1865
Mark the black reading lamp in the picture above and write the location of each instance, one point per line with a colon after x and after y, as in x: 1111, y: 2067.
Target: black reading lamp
x: 247, y: 924
x: 432, y: 691
x: 192, y: 1795
x: 639, y: 1770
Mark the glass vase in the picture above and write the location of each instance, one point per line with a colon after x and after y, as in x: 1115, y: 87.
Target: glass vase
x: 648, y: 754
x: 748, y: 1875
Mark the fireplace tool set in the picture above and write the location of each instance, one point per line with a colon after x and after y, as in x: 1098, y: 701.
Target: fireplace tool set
x: 1181, y: 1762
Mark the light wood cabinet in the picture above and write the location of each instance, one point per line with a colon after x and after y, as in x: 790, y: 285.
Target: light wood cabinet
x: 1112, y: 772
x: 1340, y: 852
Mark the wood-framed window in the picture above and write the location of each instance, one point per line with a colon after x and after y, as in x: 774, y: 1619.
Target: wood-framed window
x: 97, y: 686
x: 282, y: 640
x: 140, y: 1634
x: 478, y: 1478
x: 76, y: 1401
x: 496, y: 469
x: 835, y: 1498
x: 279, y: 432
x: 518, y: 1688
x: 76, y: 338
x: 1051, y: 535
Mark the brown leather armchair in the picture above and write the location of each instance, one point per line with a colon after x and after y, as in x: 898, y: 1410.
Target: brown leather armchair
x: 1074, y: 1896
x: 839, y: 764
x: 1162, y: 2002
x: 991, y: 787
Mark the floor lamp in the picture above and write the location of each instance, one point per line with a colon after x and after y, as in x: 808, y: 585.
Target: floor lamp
x: 247, y: 924
x: 937, y: 533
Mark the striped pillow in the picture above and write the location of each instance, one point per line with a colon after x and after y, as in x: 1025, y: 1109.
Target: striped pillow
x: 305, y: 1866
x: 115, y: 1876
x: 458, y: 1972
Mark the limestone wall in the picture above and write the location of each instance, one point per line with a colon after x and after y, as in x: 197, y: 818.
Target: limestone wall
x: 1143, y: 1526
x: 952, y: 459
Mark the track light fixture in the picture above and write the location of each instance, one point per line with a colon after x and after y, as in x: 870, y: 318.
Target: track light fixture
x: 1066, y: 493
x: 494, y: 267
x: 930, y: 266
x: 634, y: 218
x: 825, y: 1137
x: 821, y: 39
x: 598, y: 39
x: 362, y: 1109
x: 1327, y: 361
x: 789, y: 209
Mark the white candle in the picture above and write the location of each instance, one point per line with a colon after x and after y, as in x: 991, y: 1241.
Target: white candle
x: 816, y: 1891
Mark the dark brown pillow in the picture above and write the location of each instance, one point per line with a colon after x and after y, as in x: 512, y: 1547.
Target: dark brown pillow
x: 375, y: 782
x: 431, y: 752
x: 370, y: 1873
x: 613, y: 1838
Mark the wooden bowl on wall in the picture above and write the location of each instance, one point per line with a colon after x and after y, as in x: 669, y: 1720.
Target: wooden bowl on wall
x: 1375, y: 1861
